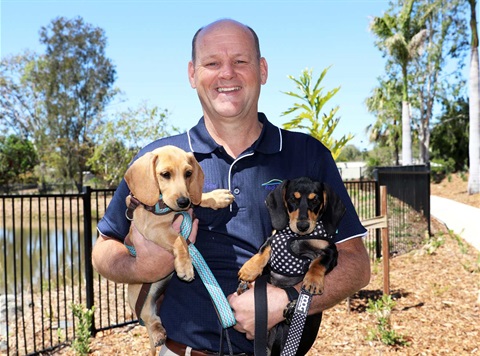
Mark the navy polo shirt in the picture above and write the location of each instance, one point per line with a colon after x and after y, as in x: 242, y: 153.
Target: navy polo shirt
x: 228, y: 237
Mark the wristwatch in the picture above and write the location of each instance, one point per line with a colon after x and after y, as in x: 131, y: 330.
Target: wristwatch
x: 289, y: 310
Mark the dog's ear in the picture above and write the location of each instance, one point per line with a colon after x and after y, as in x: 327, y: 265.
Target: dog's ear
x: 195, y: 187
x: 276, y: 206
x: 333, y: 211
x: 141, y: 179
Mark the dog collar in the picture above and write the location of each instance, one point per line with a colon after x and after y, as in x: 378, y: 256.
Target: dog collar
x: 160, y: 208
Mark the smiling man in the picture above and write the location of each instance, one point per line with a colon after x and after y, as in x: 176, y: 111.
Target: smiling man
x: 240, y: 150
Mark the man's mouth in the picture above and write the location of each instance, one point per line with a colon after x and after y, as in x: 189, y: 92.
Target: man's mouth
x: 228, y: 90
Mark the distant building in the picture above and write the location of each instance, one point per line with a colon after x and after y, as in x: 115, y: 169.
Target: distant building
x: 352, y: 170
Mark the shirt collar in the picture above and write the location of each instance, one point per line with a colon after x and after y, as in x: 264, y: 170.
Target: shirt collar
x: 269, y: 141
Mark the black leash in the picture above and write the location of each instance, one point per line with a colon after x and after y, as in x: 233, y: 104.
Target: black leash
x: 261, y: 316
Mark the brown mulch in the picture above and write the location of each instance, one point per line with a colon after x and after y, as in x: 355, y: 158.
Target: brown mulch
x: 455, y: 187
x: 436, y: 290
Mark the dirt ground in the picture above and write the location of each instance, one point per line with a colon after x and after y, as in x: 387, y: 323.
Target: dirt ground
x: 436, y: 291
x: 455, y: 187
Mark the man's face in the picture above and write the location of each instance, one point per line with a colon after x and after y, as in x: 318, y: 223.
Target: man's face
x: 227, y: 73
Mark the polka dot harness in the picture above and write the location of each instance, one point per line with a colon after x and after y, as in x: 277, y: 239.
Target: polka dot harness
x: 283, y: 260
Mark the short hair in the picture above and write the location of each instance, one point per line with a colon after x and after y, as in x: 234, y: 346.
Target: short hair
x: 255, y: 38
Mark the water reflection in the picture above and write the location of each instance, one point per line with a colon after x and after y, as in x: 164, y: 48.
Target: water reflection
x: 37, y: 258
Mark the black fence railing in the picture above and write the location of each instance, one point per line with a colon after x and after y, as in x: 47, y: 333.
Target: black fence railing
x: 408, y: 202
x: 45, y: 266
x: 365, y: 197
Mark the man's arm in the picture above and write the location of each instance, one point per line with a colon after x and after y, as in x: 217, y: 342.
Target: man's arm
x: 350, y: 275
x: 113, y: 261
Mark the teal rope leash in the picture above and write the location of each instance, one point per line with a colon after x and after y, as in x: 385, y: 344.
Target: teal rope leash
x: 224, y: 311
x: 222, y: 306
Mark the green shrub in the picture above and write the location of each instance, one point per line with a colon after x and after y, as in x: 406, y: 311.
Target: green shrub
x: 81, y: 343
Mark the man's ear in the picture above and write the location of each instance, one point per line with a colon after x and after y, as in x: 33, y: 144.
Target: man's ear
x: 191, y: 74
x: 263, y: 70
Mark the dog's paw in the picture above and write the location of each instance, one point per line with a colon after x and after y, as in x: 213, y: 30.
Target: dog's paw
x: 184, y: 270
x: 246, y: 275
x: 158, y: 333
x: 313, y: 285
x: 243, y: 286
x: 217, y: 199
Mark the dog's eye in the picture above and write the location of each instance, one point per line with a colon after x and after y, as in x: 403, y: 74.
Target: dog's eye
x: 166, y: 175
x: 292, y: 201
x: 188, y: 174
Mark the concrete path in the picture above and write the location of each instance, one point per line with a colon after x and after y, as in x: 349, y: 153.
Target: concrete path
x: 462, y: 219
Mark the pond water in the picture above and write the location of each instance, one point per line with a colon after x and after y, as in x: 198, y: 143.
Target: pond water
x: 36, y: 258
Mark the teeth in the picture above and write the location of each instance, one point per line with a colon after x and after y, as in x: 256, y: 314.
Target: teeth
x: 225, y: 90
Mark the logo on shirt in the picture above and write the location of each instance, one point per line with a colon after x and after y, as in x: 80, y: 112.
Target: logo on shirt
x: 271, y: 184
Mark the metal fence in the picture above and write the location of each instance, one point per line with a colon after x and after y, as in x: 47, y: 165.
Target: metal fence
x: 408, y: 205
x: 45, y: 266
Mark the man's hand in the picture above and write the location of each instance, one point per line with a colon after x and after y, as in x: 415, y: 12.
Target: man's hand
x: 152, y: 261
x: 244, y: 309
x: 113, y: 261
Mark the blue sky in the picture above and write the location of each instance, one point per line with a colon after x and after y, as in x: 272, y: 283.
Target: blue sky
x: 149, y: 42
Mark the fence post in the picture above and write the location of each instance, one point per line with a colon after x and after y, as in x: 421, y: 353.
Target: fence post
x: 385, y: 242
x: 87, y: 239
x: 378, y: 212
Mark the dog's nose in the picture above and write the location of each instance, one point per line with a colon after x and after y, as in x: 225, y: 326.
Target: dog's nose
x: 183, y: 202
x: 303, y: 225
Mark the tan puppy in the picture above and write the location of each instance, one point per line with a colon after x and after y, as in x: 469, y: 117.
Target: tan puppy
x: 176, y: 176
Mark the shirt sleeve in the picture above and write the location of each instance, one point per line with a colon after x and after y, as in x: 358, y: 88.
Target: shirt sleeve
x: 115, y: 223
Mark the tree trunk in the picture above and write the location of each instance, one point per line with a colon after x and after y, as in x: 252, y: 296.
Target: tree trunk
x: 474, y: 113
x: 406, y: 135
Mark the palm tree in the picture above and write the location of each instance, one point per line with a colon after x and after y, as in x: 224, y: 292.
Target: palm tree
x: 401, y: 36
x: 474, y: 107
x: 384, y: 103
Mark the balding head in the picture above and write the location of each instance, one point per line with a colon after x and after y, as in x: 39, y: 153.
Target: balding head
x: 222, y: 24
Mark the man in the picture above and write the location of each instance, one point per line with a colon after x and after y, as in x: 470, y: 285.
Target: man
x: 240, y: 150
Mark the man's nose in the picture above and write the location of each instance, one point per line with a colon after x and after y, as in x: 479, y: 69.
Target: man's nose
x: 227, y: 71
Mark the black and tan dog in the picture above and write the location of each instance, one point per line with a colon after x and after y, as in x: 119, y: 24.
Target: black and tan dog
x: 305, y: 215
x: 163, y: 182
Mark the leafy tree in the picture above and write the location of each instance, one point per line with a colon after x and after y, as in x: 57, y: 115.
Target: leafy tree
x: 75, y: 79
x: 321, y: 126
x: 449, y: 137
x: 350, y: 153
x: 385, y: 104
x: 401, y: 36
x: 21, y: 105
x: 379, y: 156
x: 119, y: 139
x: 17, y: 157
x: 431, y: 77
x: 474, y: 144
